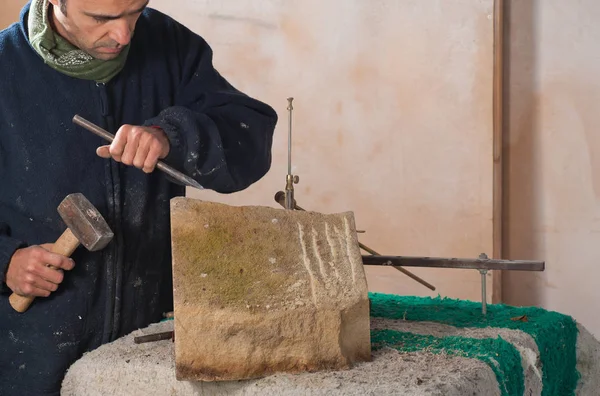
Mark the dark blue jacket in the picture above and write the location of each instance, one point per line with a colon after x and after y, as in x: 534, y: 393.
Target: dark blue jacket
x: 218, y: 135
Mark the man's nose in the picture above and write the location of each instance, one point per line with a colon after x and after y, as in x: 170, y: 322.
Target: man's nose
x: 120, y: 32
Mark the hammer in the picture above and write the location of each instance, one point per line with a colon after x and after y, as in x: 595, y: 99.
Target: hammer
x: 85, y: 225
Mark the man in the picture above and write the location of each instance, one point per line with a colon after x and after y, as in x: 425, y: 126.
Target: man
x: 136, y: 72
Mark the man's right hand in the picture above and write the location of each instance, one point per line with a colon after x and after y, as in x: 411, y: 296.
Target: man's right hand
x: 29, y: 274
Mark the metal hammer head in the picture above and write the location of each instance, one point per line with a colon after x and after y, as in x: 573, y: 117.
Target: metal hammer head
x: 85, y: 222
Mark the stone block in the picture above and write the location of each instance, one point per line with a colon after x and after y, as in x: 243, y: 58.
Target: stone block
x: 259, y: 290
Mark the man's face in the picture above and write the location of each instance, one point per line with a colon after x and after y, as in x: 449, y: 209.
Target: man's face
x: 102, y: 28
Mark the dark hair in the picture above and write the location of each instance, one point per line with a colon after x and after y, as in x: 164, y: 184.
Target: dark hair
x: 63, y: 6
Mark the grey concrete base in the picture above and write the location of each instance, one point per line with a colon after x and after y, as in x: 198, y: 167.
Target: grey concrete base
x: 129, y: 369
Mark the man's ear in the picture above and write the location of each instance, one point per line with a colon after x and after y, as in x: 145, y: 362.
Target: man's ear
x: 59, y: 5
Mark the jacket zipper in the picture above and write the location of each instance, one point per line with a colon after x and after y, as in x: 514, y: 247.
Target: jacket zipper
x: 112, y: 323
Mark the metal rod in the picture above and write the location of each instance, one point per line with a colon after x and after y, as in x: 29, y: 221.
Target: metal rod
x: 290, y: 179
x: 154, y: 337
x: 405, y: 272
x: 175, y: 174
x: 483, y: 292
x: 290, y: 109
x: 280, y: 199
x: 435, y: 262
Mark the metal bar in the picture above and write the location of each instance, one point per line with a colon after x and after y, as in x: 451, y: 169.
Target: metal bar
x: 280, y: 199
x: 154, y: 337
x: 436, y: 262
x: 405, y: 272
x: 483, y: 292
x: 175, y: 174
x: 290, y: 108
x: 289, y: 179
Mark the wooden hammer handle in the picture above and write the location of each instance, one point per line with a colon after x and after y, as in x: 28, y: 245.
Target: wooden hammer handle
x: 65, y: 245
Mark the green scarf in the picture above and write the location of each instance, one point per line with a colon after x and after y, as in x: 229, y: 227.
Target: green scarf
x: 62, y: 56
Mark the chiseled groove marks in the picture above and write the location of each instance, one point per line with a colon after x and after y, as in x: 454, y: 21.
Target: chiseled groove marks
x: 334, y: 251
x: 318, y: 256
x: 340, y: 238
x: 315, y: 262
x: 353, y: 262
x: 306, y: 262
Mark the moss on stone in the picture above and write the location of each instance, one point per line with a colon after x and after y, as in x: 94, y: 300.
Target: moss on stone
x: 214, y: 256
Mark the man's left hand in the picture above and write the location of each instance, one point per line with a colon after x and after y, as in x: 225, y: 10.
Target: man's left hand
x: 139, y: 146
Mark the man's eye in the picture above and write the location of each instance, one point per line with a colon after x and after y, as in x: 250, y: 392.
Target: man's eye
x: 100, y: 19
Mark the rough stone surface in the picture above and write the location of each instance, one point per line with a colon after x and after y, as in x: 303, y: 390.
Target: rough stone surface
x: 588, y: 362
x: 523, y: 342
x: 128, y: 369
x: 259, y: 291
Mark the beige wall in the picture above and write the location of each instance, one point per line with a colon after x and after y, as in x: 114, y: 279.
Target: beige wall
x: 393, y: 117
x: 9, y: 11
x: 553, y: 155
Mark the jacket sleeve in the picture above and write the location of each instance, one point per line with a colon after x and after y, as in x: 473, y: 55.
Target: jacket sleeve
x: 8, y: 246
x: 219, y: 136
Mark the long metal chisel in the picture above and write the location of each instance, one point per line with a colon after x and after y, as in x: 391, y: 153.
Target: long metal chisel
x: 82, y: 122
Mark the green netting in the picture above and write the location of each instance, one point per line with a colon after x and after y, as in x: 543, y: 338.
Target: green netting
x: 500, y: 355
x: 555, y: 333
